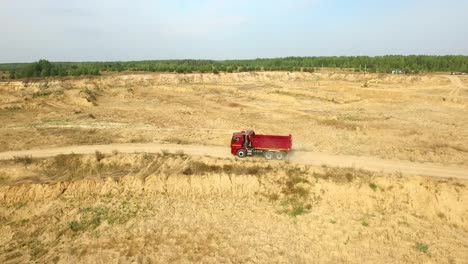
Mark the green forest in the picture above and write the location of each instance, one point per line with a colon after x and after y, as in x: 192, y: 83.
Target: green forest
x: 407, y: 64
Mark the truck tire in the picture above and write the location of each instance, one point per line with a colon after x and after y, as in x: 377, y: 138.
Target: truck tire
x: 268, y: 155
x: 241, y: 153
x: 279, y: 155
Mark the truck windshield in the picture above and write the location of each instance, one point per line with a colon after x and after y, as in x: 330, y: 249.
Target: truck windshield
x: 235, y: 139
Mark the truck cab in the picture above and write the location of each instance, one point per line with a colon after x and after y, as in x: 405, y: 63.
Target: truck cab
x: 239, y: 142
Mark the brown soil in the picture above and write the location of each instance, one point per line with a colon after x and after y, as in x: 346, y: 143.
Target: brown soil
x: 114, y: 207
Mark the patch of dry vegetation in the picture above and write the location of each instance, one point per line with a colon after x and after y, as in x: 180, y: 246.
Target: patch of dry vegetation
x: 444, y: 145
x: 176, y: 140
x: 90, y: 95
x: 66, y: 167
x: 89, y: 218
x: 26, y: 160
x: 27, y: 139
x: 338, y: 124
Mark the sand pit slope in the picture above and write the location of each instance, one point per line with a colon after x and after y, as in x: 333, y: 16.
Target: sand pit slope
x: 176, y: 208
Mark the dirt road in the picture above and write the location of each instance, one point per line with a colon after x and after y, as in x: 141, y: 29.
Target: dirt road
x: 299, y: 157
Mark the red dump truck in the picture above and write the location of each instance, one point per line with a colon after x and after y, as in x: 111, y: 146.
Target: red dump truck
x: 247, y: 143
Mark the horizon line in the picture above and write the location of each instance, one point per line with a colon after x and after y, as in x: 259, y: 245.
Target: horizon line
x: 240, y: 59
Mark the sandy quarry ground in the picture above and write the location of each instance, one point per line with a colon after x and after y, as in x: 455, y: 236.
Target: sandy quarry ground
x: 416, y: 118
x: 187, y: 207
x: 178, y: 208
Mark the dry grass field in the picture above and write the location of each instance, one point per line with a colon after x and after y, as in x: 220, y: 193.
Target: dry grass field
x: 174, y: 207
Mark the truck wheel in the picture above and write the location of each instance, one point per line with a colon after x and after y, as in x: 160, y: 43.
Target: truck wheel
x: 241, y: 153
x: 268, y: 155
x: 279, y: 155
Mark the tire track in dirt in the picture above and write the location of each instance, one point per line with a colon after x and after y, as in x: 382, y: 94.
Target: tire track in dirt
x: 298, y: 157
x: 458, y: 85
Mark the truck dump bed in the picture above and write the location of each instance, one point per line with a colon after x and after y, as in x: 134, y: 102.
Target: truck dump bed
x: 271, y: 142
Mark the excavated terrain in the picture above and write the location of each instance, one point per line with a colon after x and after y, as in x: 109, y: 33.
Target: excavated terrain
x: 172, y: 207
x: 176, y: 206
x: 417, y: 118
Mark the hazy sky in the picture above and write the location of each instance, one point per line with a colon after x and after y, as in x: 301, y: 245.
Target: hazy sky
x: 97, y: 30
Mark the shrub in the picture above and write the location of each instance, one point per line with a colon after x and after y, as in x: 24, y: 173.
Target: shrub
x: 75, y: 226
x: 99, y: 155
x: 90, y: 96
x: 421, y: 247
x: 187, y: 171
x: 232, y: 104
x: 26, y: 159
x: 41, y: 94
x: 63, y: 165
x: 92, y: 217
x: 293, y: 186
x: 37, y: 249
x: 338, y: 124
x: 180, y: 152
x: 298, y: 210
x: 20, y: 205
x: 342, y: 175
x: 165, y: 152
x: 13, y: 108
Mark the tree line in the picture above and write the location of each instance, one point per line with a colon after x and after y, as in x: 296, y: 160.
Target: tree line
x: 44, y: 68
x: 407, y: 64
